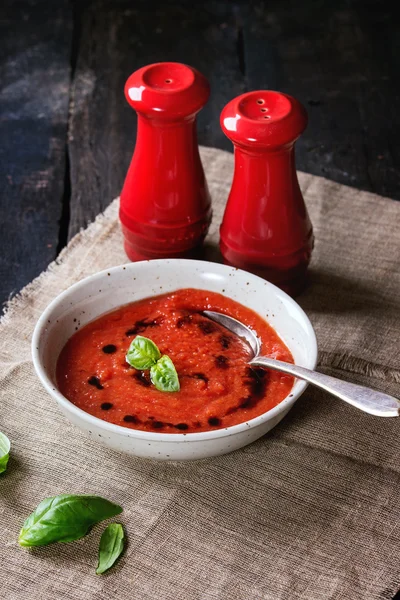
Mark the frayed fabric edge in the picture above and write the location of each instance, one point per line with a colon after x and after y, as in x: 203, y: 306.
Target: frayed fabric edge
x: 18, y: 301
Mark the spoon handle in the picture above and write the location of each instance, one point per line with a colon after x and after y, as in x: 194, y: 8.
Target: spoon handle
x: 367, y: 400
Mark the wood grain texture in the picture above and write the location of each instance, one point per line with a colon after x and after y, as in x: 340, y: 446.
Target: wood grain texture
x: 34, y: 73
x: 340, y: 60
x: 116, y: 39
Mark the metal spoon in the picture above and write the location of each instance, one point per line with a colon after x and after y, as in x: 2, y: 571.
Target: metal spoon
x: 367, y: 400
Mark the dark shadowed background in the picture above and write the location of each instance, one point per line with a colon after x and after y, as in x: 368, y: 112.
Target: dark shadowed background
x: 67, y: 133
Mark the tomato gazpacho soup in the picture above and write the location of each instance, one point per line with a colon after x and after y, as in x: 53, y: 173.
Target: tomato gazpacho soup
x: 217, y: 387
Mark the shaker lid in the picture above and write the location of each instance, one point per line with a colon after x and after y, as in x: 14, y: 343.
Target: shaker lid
x: 167, y: 90
x: 263, y: 118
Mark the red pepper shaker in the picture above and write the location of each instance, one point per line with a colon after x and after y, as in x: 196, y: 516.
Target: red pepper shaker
x: 266, y: 228
x: 165, y: 208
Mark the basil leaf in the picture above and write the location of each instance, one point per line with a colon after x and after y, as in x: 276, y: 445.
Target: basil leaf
x: 111, y: 546
x: 65, y: 518
x: 142, y: 353
x: 4, y: 452
x: 164, y: 376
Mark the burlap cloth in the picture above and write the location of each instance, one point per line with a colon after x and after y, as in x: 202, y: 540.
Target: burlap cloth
x: 310, y: 511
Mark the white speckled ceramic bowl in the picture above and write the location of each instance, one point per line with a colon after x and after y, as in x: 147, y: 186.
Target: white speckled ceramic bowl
x: 107, y: 290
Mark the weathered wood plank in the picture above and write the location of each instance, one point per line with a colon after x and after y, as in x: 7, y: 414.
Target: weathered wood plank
x: 118, y: 37
x: 34, y: 72
x: 379, y: 53
x: 338, y: 59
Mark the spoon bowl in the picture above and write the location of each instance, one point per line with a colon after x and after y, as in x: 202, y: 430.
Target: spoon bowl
x: 368, y: 400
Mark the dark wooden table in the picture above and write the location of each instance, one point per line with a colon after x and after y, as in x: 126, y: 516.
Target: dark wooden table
x: 67, y: 134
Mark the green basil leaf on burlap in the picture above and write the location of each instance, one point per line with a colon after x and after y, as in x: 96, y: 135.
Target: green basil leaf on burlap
x: 164, y: 376
x: 4, y: 452
x: 142, y: 353
x: 111, y: 546
x: 65, y: 518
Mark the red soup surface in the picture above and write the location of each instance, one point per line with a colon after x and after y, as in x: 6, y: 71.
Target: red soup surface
x: 218, y: 388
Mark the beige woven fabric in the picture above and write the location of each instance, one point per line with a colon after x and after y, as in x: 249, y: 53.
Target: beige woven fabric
x: 311, y: 511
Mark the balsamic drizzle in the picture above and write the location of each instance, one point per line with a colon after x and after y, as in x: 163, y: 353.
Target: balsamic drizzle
x: 256, y: 380
x: 222, y: 362
x: 109, y: 349
x: 225, y: 341
x: 182, y: 426
x: 214, y: 422
x: 142, y: 325
x: 184, y: 321
x: 106, y: 406
x: 200, y: 376
x: 142, y: 377
x: 206, y: 327
x: 95, y: 381
x: 131, y: 419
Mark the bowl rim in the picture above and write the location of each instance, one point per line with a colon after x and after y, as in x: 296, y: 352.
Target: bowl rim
x: 150, y: 435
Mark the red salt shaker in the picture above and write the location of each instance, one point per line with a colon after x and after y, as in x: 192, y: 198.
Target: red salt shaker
x: 266, y: 228
x: 165, y: 208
